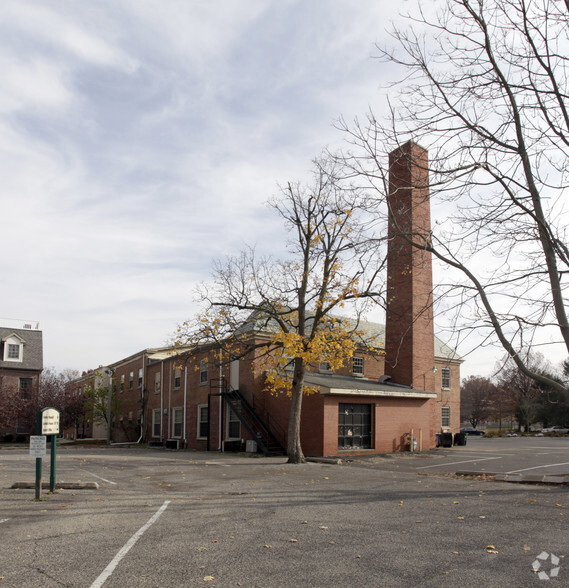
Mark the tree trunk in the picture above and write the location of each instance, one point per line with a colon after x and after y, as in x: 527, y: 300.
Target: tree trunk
x: 294, y: 449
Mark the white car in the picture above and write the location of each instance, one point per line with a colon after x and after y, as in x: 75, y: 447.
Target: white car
x: 558, y: 430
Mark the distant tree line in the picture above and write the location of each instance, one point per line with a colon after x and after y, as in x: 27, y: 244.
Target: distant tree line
x: 512, y: 397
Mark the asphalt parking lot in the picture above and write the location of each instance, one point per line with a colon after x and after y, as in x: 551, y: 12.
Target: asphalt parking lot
x: 174, y: 519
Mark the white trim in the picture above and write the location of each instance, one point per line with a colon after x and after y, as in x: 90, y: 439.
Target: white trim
x: 378, y: 393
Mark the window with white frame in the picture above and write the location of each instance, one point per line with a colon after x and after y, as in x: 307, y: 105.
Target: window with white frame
x: 445, y: 377
x: 140, y: 377
x: 177, y: 377
x: 156, y: 422
x: 122, y: 383
x: 177, y: 422
x: 203, y: 371
x: 157, y: 383
x: 13, y: 349
x: 233, y: 424
x: 203, y: 420
x: 445, y: 416
x: 131, y: 381
x: 358, y: 366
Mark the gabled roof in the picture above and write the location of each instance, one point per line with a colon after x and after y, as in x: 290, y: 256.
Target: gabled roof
x: 372, y: 333
x: 32, y: 358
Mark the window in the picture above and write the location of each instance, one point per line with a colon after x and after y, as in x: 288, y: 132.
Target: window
x: 233, y: 424
x: 131, y: 381
x: 202, y: 421
x: 354, y: 426
x: 157, y: 383
x: 178, y: 418
x: 203, y: 371
x: 25, y: 388
x: 140, y: 377
x: 445, y: 416
x: 156, y: 423
x: 13, y: 348
x: 445, y: 377
x: 122, y: 383
x: 177, y: 377
x: 324, y: 367
x: 358, y: 366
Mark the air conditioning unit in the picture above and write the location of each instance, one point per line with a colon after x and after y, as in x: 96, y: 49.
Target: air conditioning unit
x: 251, y: 446
x: 172, y: 444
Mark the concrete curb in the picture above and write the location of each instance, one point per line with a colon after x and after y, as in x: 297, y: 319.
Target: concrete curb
x: 58, y: 486
x: 330, y: 460
x: 521, y: 478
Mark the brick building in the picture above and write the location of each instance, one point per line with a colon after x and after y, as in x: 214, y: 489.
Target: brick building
x: 21, y: 364
x: 405, y: 380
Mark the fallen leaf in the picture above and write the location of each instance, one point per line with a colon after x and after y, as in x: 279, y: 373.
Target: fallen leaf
x: 215, y: 541
x: 455, y: 552
x: 526, y: 548
x: 305, y: 522
x: 490, y: 547
x: 326, y: 478
x: 324, y: 528
x: 492, y: 551
x: 293, y: 540
x: 332, y: 542
x: 455, y: 502
x: 418, y: 521
x: 358, y: 556
x: 481, y: 517
x: 461, y: 518
x: 268, y: 546
x: 208, y: 579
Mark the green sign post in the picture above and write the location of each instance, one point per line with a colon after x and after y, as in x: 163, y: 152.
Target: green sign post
x: 47, y: 424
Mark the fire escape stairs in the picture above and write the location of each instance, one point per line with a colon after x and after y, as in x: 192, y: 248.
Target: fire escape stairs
x: 267, y: 441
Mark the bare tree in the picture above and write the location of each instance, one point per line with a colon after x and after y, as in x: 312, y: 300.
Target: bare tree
x: 477, y: 398
x: 485, y: 91
x: 282, y: 310
x: 530, y: 395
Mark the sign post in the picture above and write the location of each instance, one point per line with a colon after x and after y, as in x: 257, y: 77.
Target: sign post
x: 37, y: 450
x: 47, y: 423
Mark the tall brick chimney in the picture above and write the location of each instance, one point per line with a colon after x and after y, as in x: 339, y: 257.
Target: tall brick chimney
x: 409, y: 337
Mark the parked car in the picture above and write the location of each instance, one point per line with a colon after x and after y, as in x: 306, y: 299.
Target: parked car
x: 558, y: 430
x: 471, y: 431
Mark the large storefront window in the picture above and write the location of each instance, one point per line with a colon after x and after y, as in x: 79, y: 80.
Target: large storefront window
x: 354, y: 426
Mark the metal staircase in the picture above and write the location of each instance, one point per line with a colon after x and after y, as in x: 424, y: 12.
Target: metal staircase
x: 269, y: 442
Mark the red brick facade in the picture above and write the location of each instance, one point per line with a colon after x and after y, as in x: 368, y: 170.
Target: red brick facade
x: 356, y: 409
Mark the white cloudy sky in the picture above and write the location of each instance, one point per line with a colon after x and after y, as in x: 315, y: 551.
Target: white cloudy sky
x: 140, y: 138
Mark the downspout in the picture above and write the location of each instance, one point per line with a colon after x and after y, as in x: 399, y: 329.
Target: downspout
x: 162, y: 400
x: 170, y: 432
x: 220, y: 407
x: 185, y: 404
x: 142, y: 401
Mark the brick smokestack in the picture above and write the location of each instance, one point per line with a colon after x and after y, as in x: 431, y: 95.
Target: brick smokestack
x: 409, y: 337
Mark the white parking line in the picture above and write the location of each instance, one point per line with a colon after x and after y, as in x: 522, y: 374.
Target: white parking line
x: 99, y: 477
x: 549, y: 465
x: 442, y: 465
x: 127, y: 547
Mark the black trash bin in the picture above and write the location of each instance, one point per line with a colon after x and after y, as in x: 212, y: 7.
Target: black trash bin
x: 460, y: 439
x: 447, y: 439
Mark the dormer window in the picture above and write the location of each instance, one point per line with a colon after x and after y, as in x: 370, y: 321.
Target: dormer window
x: 13, y: 348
